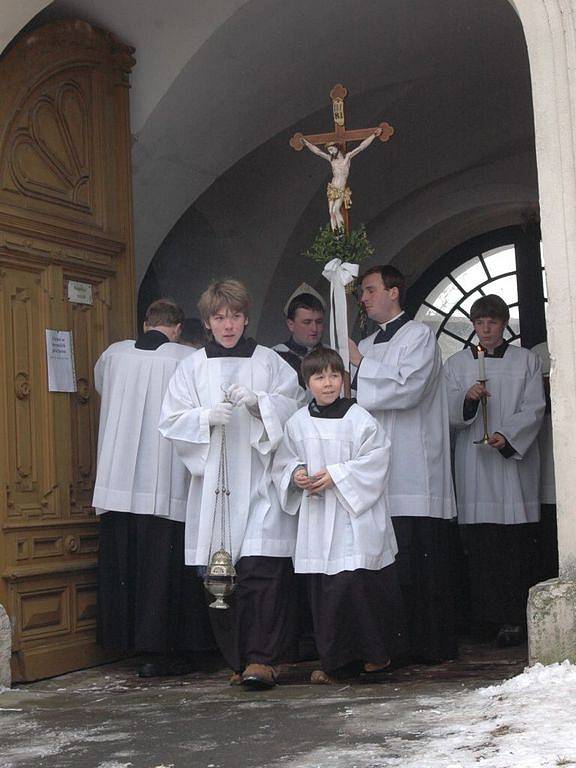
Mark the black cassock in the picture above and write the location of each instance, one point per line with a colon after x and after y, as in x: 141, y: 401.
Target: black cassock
x: 426, y: 572
x: 149, y: 601
x: 503, y: 562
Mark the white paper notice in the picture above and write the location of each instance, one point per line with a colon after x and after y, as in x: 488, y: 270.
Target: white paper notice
x: 60, y: 356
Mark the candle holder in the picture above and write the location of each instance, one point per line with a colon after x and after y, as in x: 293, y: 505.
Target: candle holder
x: 484, y: 402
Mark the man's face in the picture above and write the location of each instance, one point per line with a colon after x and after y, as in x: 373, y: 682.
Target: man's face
x: 490, y: 331
x: 227, y: 326
x: 333, y: 151
x: 325, y: 386
x: 307, y: 327
x: 381, y: 303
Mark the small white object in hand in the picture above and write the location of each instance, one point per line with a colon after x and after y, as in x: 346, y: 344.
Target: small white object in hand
x: 241, y: 395
x: 220, y: 415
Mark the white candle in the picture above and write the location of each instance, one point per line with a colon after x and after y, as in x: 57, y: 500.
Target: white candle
x: 481, y: 368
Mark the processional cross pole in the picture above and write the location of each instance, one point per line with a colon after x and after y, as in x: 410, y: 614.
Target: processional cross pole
x: 339, y: 196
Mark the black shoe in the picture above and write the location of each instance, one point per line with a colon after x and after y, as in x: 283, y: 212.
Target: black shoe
x: 510, y: 635
x: 166, y: 668
x: 350, y: 671
x: 430, y: 661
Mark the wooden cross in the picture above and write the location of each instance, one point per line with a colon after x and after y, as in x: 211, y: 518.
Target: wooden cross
x: 340, y: 135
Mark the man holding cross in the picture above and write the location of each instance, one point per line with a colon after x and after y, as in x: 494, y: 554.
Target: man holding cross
x: 399, y: 381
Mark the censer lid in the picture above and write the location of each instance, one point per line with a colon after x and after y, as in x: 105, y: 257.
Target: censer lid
x: 221, y: 557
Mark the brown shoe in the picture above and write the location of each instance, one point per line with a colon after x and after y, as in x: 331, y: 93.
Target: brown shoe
x: 259, y: 677
x: 319, y: 677
x: 373, y: 669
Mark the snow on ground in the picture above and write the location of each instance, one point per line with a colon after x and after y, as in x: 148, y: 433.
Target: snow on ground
x: 526, y: 722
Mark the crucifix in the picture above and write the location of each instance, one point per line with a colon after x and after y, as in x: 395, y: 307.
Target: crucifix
x: 338, y: 192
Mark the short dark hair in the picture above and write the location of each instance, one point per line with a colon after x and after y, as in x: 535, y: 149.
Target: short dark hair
x: 391, y: 277
x: 193, y: 332
x: 490, y: 306
x: 164, y: 312
x: 304, y: 301
x: 319, y: 359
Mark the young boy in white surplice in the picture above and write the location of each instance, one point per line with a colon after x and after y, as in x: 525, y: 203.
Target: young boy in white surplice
x: 331, y: 470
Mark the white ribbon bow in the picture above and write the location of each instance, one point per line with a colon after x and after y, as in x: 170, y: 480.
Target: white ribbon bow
x: 340, y: 274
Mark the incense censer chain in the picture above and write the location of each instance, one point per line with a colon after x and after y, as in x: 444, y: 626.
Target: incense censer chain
x: 220, y: 579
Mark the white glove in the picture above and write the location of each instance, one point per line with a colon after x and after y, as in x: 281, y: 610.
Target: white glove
x: 240, y: 395
x: 220, y: 415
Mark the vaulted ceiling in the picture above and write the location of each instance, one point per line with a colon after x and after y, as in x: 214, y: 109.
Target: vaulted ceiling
x: 220, y: 86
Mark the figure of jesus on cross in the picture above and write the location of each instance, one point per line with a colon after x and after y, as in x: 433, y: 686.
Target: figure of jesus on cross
x: 338, y: 192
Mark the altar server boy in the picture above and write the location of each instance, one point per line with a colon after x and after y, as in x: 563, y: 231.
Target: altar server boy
x: 236, y: 383
x: 497, y: 485
x: 331, y: 470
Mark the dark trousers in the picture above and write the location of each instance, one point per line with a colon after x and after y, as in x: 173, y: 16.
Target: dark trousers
x: 425, y: 548
x: 358, y: 617
x: 548, y: 537
x: 503, y: 563
x: 148, y: 600
x: 261, y: 624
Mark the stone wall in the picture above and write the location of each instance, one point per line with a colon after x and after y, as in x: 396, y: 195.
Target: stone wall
x: 5, y: 649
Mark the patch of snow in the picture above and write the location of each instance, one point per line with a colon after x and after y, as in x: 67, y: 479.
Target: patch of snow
x: 113, y: 764
x: 41, y: 744
x: 526, y: 722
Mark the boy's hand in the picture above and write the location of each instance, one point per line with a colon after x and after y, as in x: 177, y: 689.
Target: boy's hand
x: 300, y: 478
x: 220, y: 415
x: 240, y: 395
x: 321, y: 481
x: 477, y: 392
x: 497, y: 441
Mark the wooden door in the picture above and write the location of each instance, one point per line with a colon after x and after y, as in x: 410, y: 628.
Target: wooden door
x: 65, y: 215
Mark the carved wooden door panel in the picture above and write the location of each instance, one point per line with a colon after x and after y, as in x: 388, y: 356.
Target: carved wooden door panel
x: 65, y: 215
x: 88, y: 323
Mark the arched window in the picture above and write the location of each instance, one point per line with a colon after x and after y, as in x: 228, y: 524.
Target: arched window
x: 495, y: 263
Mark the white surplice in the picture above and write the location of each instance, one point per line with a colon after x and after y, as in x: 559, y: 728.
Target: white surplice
x: 489, y: 487
x: 257, y: 524
x: 348, y: 526
x: 138, y: 470
x: 400, y: 383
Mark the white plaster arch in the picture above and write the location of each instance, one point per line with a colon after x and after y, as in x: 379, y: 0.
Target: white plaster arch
x: 181, y: 101
x: 549, y: 30
x: 15, y: 15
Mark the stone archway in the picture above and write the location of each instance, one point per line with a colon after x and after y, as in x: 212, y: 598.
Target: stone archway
x: 549, y: 28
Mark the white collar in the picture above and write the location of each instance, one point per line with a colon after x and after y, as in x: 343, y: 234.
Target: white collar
x: 383, y: 325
